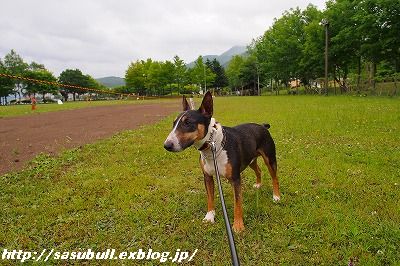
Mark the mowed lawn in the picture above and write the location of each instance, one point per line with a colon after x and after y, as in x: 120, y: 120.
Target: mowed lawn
x: 25, y: 109
x: 338, y: 166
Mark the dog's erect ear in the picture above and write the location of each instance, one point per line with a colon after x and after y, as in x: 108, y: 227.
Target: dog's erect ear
x: 185, y: 104
x: 206, y: 107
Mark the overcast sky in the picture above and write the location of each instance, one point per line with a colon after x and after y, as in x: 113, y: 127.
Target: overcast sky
x: 101, y: 37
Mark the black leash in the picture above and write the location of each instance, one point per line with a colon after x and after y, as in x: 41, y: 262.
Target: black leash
x: 234, y: 256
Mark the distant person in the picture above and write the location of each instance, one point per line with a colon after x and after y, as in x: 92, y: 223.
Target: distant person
x: 33, y: 102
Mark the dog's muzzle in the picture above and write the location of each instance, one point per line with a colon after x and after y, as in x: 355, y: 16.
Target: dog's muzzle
x: 169, y: 145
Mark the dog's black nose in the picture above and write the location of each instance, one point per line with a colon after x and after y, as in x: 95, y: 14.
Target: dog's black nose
x: 168, y: 145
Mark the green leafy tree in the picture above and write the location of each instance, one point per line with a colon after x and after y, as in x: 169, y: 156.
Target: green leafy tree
x: 312, y: 61
x: 153, y: 78
x: 73, y: 77
x: 94, y: 84
x: 142, y: 76
x: 135, y: 77
x: 167, y: 77
x: 363, y: 32
x: 345, y: 39
x: 41, y: 88
x: 6, y: 84
x: 15, y: 65
x: 279, y: 50
x: 190, y: 88
x: 249, y: 74
x: 201, y: 74
x: 389, y: 19
x: 233, y: 71
x: 124, y: 90
x: 36, y: 66
x: 379, y: 27
x: 180, y: 72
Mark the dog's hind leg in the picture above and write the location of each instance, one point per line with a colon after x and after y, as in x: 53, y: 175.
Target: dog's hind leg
x: 270, y: 162
x: 238, y: 225
x: 233, y: 175
x: 253, y: 165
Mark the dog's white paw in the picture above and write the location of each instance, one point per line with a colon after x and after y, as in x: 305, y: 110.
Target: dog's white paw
x: 276, y: 198
x: 209, y: 218
x: 257, y: 185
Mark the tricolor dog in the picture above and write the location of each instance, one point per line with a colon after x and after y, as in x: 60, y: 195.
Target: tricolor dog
x: 236, y: 148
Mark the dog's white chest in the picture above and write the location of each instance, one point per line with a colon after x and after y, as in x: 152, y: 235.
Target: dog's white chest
x: 222, y: 160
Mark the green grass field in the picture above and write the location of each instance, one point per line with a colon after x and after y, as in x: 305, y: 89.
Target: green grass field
x: 25, y: 109
x: 338, y: 165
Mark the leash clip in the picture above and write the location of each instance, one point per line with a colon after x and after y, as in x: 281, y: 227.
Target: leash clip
x: 213, y: 147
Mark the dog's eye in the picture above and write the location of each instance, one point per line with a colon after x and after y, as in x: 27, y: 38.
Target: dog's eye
x: 186, y: 122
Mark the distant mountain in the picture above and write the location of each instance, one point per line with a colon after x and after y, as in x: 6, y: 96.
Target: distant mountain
x: 209, y: 57
x: 111, y: 82
x: 225, y: 57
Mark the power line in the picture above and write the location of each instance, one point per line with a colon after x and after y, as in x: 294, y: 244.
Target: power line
x: 62, y: 84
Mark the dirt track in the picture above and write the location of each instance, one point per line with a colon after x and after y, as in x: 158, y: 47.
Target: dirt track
x: 22, y: 138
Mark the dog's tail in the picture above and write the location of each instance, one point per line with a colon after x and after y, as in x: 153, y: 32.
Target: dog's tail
x: 267, y: 126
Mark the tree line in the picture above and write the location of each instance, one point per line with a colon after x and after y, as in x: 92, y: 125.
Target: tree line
x: 364, y: 44
x: 148, y: 77
x: 364, y: 48
x: 13, y: 64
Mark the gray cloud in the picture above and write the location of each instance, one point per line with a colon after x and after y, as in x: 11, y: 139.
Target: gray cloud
x: 102, y: 37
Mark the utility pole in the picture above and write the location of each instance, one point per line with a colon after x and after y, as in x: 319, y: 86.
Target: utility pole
x: 258, y: 79
x: 205, y: 78
x: 325, y: 23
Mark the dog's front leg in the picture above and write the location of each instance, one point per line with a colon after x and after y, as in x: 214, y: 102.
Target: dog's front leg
x: 238, y: 224
x: 209, y: 184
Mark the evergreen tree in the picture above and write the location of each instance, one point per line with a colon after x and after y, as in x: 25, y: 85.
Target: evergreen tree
x: 180, y: 72
x: 220, y: 77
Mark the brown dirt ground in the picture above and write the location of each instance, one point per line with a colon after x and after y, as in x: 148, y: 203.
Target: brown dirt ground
x: 24, y: 137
